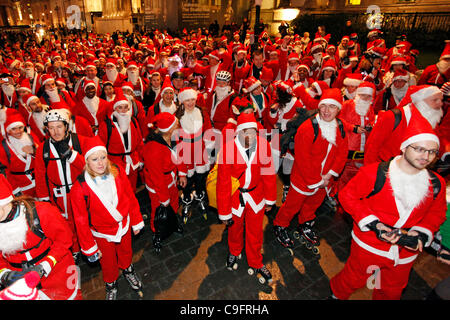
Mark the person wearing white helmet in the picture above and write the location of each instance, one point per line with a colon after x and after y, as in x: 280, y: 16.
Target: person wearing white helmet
x: 57, y: 165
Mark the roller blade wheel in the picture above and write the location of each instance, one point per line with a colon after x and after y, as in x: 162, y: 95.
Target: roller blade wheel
x: 263, y: 274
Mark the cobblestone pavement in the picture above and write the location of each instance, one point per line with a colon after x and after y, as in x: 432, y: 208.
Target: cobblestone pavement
x: 192, y: 266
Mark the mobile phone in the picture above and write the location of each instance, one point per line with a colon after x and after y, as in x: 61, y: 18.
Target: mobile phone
x: 394, y: 231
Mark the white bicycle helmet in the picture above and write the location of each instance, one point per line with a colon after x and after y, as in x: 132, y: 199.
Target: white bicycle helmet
x: 223, y: 76
x: 57, y: 115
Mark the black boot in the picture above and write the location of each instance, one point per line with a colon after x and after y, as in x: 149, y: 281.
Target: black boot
x: 111, y: 290
x: 133, y: 280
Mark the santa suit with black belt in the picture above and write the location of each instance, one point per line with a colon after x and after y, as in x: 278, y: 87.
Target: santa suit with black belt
x: 19, y: 165
x: 104, y: 221
x: 219, y: 109
x: 161, y: 172
x: 354, y: 115
x: 53, y: 183
x: 255, y: 171
x: 50, y: 249
x: 313, y: 160
x: 125, y: 142
x: 403, y: 202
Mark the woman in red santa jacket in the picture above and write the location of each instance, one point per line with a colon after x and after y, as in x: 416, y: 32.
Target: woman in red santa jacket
x: 105, y: 211
x: 411, y: 203
x: 321, y: 148
x: 121, y: 134
x: 195, y: 137
x: 17, y: 154
x: 161, y: 172
x: 247, y: 158
x: 35, y: 237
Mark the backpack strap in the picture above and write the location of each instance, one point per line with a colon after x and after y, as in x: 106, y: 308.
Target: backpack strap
x: 315, y: 125
x: 436, y: 183
x: 380, y: 180
x: 341, y: 127
x: 7, y: 151
x: 398, y: 117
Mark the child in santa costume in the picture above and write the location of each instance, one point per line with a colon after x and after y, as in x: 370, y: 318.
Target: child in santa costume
x: 411, y: 203
x: 420, y: 102
x: 194, y: 140
x: 321, y: 148
x: 35, y: 238
x: 247, y: 158
x: 17, y: 154
x: 105, y: 212
x: 161, y: 173
x: 121, y: 134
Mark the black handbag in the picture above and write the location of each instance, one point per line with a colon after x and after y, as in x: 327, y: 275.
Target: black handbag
x: 166, y: 221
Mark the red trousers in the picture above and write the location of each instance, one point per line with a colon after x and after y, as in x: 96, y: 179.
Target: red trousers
x: 253, y: 224
x: 154, y: 199
x: 296, y: 202
x: 115, y: 256
x: 387, y: 283
x: 60, y: 205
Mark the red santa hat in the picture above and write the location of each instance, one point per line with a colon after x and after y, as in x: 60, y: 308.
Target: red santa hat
x: 186, y: 94
x: 127, y: 85
x: 25, y: 85
x: 446, y: 53
x: 331, y: 96
x: 320, y: 86
x: 353, y: 79
x: 284, y: 86
x: 167, y: 85
x: 398, y: 61
x: 418, y: 130
x: 366, y: 87
x: 293, y: 56
x: 61, y: 81
x: 28, y: 98
x: 91, y: 145
x: 90, y: 64
x: 164, y: 121
x: 374, y: 32
x: 400, y: 74
x: 329, y: 65
x: 266, y: 74
x: 419, y: 93
x: 240, y: 104
x: 89, y: 83
x: 111, y: 61
x: 214, y: 54
x: 6, y: 191
x: 132, y: 64
x: 251, y: 84
x: 315, y: 46
x: 46, y: 78
x: 246, y: 121
x: 13, y: 120
x: 23, y: 289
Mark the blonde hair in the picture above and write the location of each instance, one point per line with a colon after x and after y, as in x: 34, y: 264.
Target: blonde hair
x: 110, y: 169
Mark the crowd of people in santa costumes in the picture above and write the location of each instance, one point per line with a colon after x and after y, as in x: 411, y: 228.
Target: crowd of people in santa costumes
x: 86, y: 121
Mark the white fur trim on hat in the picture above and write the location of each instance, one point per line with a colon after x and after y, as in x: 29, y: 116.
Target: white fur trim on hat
x: 365, y: 90
x: 187, y: 94
x: 331, y: 101
x: 424, y: 93
x: 167, y: 129
x: 127, y: 87
x: 6, y: 200
x: 120, y: 102
x: 352, y: 82
x: 247, y: 125
x: 14, y: 124
x: 254, y: 86
x: 30, y: 99
x: 419, y: 137
x: 94, y: 149
x: 47, y: 80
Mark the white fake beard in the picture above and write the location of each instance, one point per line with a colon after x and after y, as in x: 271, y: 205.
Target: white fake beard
x: 53, y: 95
x: 112, y: 74
x: 109, y: 99
x: 328, y: 130
x: 171, y: 69
x: 318, y: 57
x: 133, y: 76
x: 8, y: 89
x: 221, y: 92
x: 349, y: 95
x: 18, y: 144
x: 192, y: 122
x: 29, y: 73
x: 399, y: 94
x: 361, y: 106
x: 92, y: 104
x: 39, y: 119
x: 123, y: 120
x: 13, y: 235
x: 443, y: 66
x: 433, y: 116
x: 408, y: 189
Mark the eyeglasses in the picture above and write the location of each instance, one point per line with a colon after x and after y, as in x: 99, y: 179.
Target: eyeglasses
x: 421, y: 150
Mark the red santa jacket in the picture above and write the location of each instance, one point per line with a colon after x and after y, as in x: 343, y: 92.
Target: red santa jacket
x: 425, y: 217
x: 316, y: 157
x: 140, y: 87
x: 83, y: 111
x: 255, y: 174
x: 125, y: 154
x: 239, y: 74
x: 19, y: 168
x: 219, y: 110
x: 210, y: 76
x: 431, y: 75
x: 35, y: 127
x: 96, y: 217
x: 117, y: 83
x: 351, y: 118
x: 51, y: 251
x: 161, y: 172
x: 282, y: 116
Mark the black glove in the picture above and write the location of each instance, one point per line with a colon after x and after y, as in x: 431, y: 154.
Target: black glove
x: 63, y: 149
x: 373, y: 227
x: 38, y: 268
x: 412, y: 241
x: 10, y: 277
x: 229, y: 222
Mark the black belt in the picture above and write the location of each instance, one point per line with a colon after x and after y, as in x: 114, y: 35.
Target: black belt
x: 17, y: 173
x: 188, y: 140
x: 355, y: 155
x: 32, y: 261
x: 241, y: 191
x: 120, y: 154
